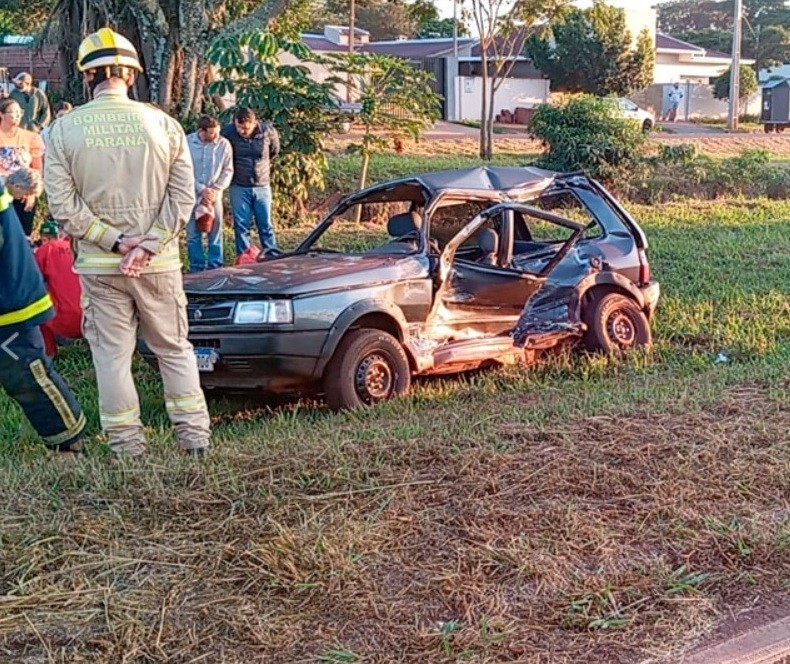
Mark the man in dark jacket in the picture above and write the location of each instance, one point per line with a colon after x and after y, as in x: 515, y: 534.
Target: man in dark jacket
x: 254, y: 145
x: 32, y: 101
x: 26, y: 373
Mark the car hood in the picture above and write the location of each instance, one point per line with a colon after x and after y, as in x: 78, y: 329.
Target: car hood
x: 304, y: 273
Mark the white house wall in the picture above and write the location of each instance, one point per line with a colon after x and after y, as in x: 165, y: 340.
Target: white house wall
x: 669, y: 69
x: 513, y: 93
x: 318, y: 72
x: 698, y: 102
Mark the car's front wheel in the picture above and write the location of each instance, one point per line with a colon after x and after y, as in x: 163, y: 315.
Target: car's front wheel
x: 368, y: 366
x: 615, y: 323
x: 647, y: 125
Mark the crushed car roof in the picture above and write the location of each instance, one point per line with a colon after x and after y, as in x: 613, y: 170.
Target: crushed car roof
x: 494, y: 182
x: 487, y: 178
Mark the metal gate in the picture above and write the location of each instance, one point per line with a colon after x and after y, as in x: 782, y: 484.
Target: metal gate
x: 437, y: 67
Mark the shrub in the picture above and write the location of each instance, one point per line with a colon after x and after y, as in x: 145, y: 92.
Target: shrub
x: 585, y: 134
x: 675, y: 175
x: 678, y: 152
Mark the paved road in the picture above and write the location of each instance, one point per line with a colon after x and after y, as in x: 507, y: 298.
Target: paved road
x: 449, y: 131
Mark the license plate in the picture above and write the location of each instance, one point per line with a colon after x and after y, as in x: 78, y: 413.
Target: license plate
x: 206, y: 358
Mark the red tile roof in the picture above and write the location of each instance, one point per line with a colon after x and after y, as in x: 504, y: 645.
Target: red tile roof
x: 665, y: 41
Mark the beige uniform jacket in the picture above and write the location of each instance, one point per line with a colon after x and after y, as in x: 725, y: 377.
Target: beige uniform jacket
x: 117, y: 166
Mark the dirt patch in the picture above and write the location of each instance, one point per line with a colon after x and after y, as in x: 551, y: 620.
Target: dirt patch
x: 718, y: 145
x: 606, y: 539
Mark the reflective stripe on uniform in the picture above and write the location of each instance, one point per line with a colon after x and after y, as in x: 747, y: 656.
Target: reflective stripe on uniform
x: 168, y: 257
x: 162, y: 234
x: 30, y: 311
x: 187, y: 403
x: 5, y: 200
x: 95, y: 231
x: 119, y: 419
x: 55, y: 396
x: 58, y: 439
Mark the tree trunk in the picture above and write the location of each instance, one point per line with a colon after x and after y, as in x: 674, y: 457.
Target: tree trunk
x: 172, y: 38
x: 363, y: 178
x: 486, y: 131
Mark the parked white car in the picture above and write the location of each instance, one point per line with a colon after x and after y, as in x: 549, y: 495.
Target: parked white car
x: 628, y: 109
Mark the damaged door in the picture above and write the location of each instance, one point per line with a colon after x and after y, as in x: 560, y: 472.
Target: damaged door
x: 484, y: 278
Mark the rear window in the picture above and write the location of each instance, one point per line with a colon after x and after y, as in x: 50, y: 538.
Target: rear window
x: 564, y: 204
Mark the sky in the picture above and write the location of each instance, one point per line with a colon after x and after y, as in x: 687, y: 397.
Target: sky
x: 445, y: 7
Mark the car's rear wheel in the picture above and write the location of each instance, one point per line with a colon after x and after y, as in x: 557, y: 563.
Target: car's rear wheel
x: 647, y: 125
x: 615, y: 323
x: 368, y: 366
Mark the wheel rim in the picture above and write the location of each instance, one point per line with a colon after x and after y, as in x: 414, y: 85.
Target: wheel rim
x: 621, y: 329
x: 374, y: 380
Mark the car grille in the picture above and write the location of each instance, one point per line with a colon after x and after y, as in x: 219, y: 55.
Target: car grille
x: 206, y: 343
x: 210, y: 314
x: 237, y: 365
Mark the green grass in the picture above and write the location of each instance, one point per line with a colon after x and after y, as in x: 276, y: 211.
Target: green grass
x: 586, y: 509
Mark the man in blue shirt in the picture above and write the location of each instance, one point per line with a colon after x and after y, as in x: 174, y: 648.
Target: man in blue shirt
x: 254, y: 144
x: 212, y: 159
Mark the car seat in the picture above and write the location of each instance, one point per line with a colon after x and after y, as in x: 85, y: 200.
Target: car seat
x: 403, y: 224
x: 488, y: 243
x: 403, y: 228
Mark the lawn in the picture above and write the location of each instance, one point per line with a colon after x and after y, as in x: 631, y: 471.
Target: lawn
x: 584, y: 510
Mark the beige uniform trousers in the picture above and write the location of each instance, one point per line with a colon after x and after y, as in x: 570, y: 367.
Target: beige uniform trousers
x: 114, y: 306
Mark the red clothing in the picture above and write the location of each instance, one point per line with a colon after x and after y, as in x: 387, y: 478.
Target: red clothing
x: 56, y: 260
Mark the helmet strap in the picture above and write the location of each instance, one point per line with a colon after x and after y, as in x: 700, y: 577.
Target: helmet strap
x: 103, y: 74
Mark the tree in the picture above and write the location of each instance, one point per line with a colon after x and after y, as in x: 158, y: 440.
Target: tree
x: 586, y: 134
x: 396, y: 101
x: 24, y: 17
x: 681, y: 16
x: 383, y: 19
x: 747, y: 85
x: 502, y: 27
x: 708, y: 24
x: 590, y: 50
x: 285, y: 94
x: 386, y: 20
x: 172, y: 37
x: 441, y: 28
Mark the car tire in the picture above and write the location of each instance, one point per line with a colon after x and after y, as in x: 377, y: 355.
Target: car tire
x: 369, y: 366
x: 647, y: 126
x: 615, y: 323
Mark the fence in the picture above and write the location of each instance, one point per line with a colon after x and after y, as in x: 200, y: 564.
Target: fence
x: 43, y: 64
x: 698, y: 101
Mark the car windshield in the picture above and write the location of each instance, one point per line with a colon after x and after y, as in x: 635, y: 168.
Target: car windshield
x: 371, y: 227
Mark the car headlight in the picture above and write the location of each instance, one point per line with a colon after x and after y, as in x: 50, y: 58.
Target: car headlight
x: 263, y: 311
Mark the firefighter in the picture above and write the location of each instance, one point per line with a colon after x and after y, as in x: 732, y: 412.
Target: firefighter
x: 119, y: 179
x: 26, y: 372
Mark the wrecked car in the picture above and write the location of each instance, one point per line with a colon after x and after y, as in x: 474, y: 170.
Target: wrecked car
x: 436, y: 273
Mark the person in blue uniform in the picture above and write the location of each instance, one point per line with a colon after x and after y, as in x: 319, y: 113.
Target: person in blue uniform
x: 26, y: 372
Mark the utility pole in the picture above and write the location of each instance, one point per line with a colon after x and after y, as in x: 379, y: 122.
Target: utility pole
x: 351, y: 29
x: 455, y: 28
x: 735, y: 68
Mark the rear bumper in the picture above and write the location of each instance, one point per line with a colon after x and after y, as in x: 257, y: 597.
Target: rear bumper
x: 651, y: 293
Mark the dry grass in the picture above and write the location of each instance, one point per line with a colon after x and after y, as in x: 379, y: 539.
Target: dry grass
x: 716, y: 145
x: 520, y: 542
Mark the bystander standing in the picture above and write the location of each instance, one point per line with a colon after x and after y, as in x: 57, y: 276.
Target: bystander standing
x: 32, y: 101
x: 19, y: 148
x: 212, y: 158
x: 255, y: 144
x: 119, y: 179
x: 26, y: 373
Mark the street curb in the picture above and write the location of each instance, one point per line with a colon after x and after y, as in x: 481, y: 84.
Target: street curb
x: 767, y: 644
